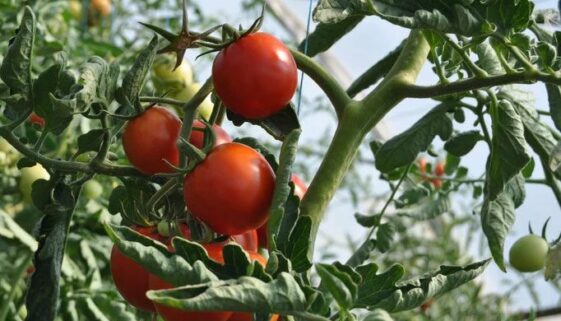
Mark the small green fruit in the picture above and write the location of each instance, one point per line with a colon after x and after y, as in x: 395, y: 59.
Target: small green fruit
x: 529, y: 253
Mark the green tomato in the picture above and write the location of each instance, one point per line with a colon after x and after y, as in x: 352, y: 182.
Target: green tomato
x: 28, y: 176
x: 166, y: 79
x: 528, y: 254
x: 92, y: 189
x: 205, y: 108
x: 75, y: 8
x: 163, y: 228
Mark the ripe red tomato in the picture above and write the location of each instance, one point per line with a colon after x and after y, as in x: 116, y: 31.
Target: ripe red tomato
x: 231, y: 189
x: 255, y: 76
x: 170, y: 314
x: 437, y: 183
x: 151, y: 138
x: 197, y: 137
x: 242, y: 316
x: 422, y: 162
x: 439, y: 169
x: 130, y: 278
x: 36, y: 119
x: 300, y: 190
x: 248, y: 240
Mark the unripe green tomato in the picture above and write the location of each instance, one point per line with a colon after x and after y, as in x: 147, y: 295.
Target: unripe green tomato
x: 166, y: 79
x: 92, y: 189
x: 163, y: 228
x: 205, y: 108
x: 28, y: 176
x: 75, y: 8
x: 528, y: 254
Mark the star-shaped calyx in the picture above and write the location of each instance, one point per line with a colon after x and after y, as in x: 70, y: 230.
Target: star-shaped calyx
x: 179, y: 43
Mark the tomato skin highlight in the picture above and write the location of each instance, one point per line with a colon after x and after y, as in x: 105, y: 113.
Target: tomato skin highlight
x: 256, y: 76
x: 150, y: 138
x: 231, y: 189
x: 129, y: 277
x: 197, y: 136
x: 529, y: 253
x: 171, y: 314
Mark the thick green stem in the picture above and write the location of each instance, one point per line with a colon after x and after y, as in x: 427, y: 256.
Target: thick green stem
x: 356, y: 120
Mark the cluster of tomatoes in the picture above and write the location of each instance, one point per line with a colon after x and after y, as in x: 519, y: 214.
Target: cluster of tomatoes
x: 439, y: 170
x: 231, y: 189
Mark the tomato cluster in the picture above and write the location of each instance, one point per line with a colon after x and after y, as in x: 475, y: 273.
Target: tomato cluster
x: 231, y: 188
x: 439, y: 171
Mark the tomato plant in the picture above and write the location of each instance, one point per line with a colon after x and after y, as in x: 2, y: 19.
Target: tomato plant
x: 109, y: 150
x: 242, y: 184
x: 255, y: 76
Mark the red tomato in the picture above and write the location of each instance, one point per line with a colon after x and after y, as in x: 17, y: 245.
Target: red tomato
x: 248, y: 240
x: 436, y: 182
x: 231, y: 189
x: 242, y: 316
x: 439, y: 169
x: 422, y: 165
x: 151, y: 138
x: 197, y: 137
x: 255, y: 76
x: 36, y: 119
x: 171, y: 314
x: 130, y: 278
x: 300, y: 190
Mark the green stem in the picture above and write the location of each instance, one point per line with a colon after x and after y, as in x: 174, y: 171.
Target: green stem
x: 336, y: 94
x: 478, y: 72
x: 356, y: 120
x: 161, y: 100
x: 19, y: 273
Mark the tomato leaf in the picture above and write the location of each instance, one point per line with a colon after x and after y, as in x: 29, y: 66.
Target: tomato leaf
x: 382, y: 290
x: 404, y: 148
x: 326, y: 35
x: 98, y: 81
x: 130, y: 200
x: 426, y: 208
x: 339, y: 284
x: 554, y: 98
x: 135, y: 78
x: 278, y: 125
x: 368, y: 220
x: 90, y: 141
x: 384, y: 237
x: 463, y: 143
x: 378, y: 315
x: 15, y: 70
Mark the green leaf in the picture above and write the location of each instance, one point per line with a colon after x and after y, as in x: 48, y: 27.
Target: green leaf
x: 90, y: 141
x: 383, y: 294
x: 362, y: 254
x: 404, y: 148
x: 296, y: 248
x: 9, y: 229
x: 554, y: 98
x: 368, y: 220
x: 136, y: 77
x: 278, y: 125
x: 384, y: 237
x: 16, y: 66
x: 340, y: 284
x: 426, y: 208
x: 326, y: 35
x: 509, y: 150
x: 376, y: 72
x: 246, y: 294
x: 488, y: 59
x: 547, y: 54
x: 44, y: 286
x: 463, y: 143
x: 98, y: 80
x: 378, y: 315
x: 329, y: 12
x: 131, y: 199
x: 497, y: 218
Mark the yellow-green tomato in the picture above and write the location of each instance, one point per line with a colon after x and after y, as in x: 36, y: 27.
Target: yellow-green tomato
x: 28, y: 176
x: 75, y: 8
x: 163, y: 228
x: 166, y: 79
x: 92, y: 189
x: 205, y: 108
x: 529, y: 253
x: 5, y: 146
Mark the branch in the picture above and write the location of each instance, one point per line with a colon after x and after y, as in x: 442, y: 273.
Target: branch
x: 522, y: 77
x: 336, y: 94
x: 67, y: 166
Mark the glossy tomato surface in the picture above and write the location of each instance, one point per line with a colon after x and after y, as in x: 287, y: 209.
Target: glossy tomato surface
x: 197, y: 136
x: 150, y: 139
x: 300, y: 189
x: 255, y: 76
x: 231, y: 189
x: 529, y: 253
x: 130, y: 278
x: 171, y: 314
x: 248, y: 240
